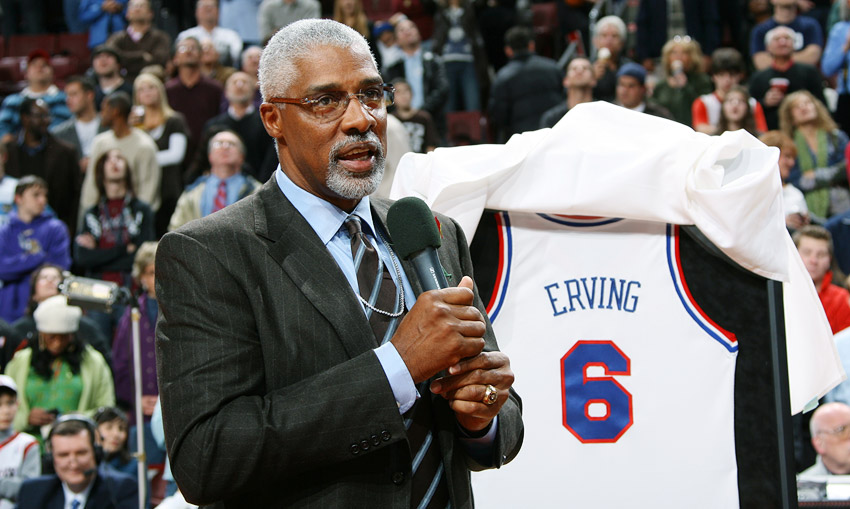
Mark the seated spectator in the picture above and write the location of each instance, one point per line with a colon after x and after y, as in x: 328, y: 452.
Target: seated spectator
x: 21, y: 458
x: 7, y: 188
x: 112, y: 434
x: 276, y: 14
x: 784, y: 76
x: 835, y: 62
x: 727, y: 71
x: 684, y: 80
x: 106, y: 64
x: 44, y: 284
x: 122, y: 350
x: 79, y: 481
x: 794, y: 203
x: 103, y: 17
x: 134, y: 144
x: 736, y: 112
x: 830, y: 427
x: 79, y: 131
x: 608, y: 39
x: 251, y: 67
x: 243, y: 117
x: 37, y: 152
x: 807, y: 35
x: 421, y: 131
x: 814, y: 244
x: 580, y: 83
x: 141, y: 44
x: 225, y: 185
x: 113, y: 229
x: 458, y: 41
x: 820, y: 171
x: 60, y: 374
x: 631, y: 91
x: 388, y: 52
x: 211, y: 65
x: 39, y: 76
x: 30, y: 239
x: 524, y: 88
x: 227, y: 43
x: 170, y: 133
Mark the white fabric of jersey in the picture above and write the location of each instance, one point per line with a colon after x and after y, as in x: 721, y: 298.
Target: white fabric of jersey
x: 604, y: 160
x: 12, y: 453
x: 597, y: 310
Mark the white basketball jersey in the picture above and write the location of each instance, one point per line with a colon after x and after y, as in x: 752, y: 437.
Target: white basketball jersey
x: 12, y: 453
x: 627, y: 387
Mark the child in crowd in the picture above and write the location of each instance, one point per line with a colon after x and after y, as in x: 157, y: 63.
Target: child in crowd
x: 418, y: 123
x: 20, y: 456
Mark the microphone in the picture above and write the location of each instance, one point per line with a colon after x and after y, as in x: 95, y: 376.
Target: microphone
x: 416, y: 238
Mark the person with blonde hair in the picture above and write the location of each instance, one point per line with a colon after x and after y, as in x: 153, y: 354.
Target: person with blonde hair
x: 684, y: 79
x: 820, y: 171
x: 153, y: 114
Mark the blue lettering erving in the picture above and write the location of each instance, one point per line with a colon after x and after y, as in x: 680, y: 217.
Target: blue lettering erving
x: 592, y: 293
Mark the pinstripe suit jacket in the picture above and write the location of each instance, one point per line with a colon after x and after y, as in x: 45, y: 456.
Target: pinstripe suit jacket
x: 271, y: 393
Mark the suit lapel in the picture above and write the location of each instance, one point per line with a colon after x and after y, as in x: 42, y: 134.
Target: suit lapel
x: 293, y: 244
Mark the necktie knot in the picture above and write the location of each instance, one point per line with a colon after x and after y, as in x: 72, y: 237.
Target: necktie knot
x: 353, y: 225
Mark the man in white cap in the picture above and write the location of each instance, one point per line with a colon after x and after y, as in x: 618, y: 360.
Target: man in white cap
x: 20, y: 457
x: 59, y: 361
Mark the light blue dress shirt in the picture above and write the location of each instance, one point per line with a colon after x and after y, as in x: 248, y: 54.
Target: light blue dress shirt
x: 414, y: 73
x: 234, y: 185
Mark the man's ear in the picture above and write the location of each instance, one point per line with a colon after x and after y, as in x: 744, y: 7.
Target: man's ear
x: 272, y: 117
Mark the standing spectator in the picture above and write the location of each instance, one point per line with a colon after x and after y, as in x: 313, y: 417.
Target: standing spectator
x: 106, y: 64
x: 793, y: 202
x: 821, y: 170
x: 7, y: 188
x: 631, y: 91
x: 39, y: 75
x: 579, y: 82
x: 784, y: 76
x: 684, y: 79
x: 458, y: 41
x: 30, y: 239
x: 525, y: 88
x: 140, y: 45
x: 424, y: 71
x: 211, y: 65
x: 171, y: 135
x: 241, y: 17
x: 495, y: 18
x: 659, y: 21
x: 225, y: 185
x: 19, y: 452
x: 144, y: 268
x: 103, y: 17
x: 134, y: 144
x: 727, y: 71
x: 275, y: 14
x: 814, y: 244
x: 37, y: 152
x: 243, y: 118
x: 806, y: 36
x: 22, y: 17
x: 227, y: 42
x: 191, y: 93
x: 44, y: 283
x: 608, y: 39
x: 383, y: 34
x: 736, y: 112
x: 79, y: 131
x: 113, y: 229
x: 836, y: 63
x: 421, y: 132
x: 351, y: 13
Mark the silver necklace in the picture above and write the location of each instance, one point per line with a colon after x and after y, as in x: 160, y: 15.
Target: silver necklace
x: 398, y: 278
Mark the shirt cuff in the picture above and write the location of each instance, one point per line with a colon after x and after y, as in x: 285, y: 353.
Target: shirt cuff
x: 481, y: 449
x: 404, y: 390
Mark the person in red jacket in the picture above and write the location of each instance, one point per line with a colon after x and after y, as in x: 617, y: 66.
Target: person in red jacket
x: 814, y: 243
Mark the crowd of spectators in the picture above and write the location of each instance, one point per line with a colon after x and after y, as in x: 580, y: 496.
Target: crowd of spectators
x: 164, y: 128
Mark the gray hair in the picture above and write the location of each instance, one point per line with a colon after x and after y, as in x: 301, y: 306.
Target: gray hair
x: 773, y: 32
x: 614, y: 21
x: 295, y: 42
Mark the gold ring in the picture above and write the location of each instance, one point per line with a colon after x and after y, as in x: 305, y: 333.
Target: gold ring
x: 490, y: 395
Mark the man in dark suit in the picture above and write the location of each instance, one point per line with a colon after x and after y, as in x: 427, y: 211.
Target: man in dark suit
x: 78, y: 482
x: 275, y: 389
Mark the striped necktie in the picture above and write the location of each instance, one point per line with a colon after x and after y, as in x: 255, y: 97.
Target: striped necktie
x: 377, y: 288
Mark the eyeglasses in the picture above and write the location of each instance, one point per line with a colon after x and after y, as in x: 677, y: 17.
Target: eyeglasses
x: 330, y: 106
x: 223, y: 144
x: 841, y: 432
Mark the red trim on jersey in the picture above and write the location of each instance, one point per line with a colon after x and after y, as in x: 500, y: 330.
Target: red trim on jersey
x: 32, y: 444
x: 499, y: 277
x: 5, y: 443
x: 730, y: 335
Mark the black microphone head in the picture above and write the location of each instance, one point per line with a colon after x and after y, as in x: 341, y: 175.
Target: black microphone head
x: 412, y: 226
